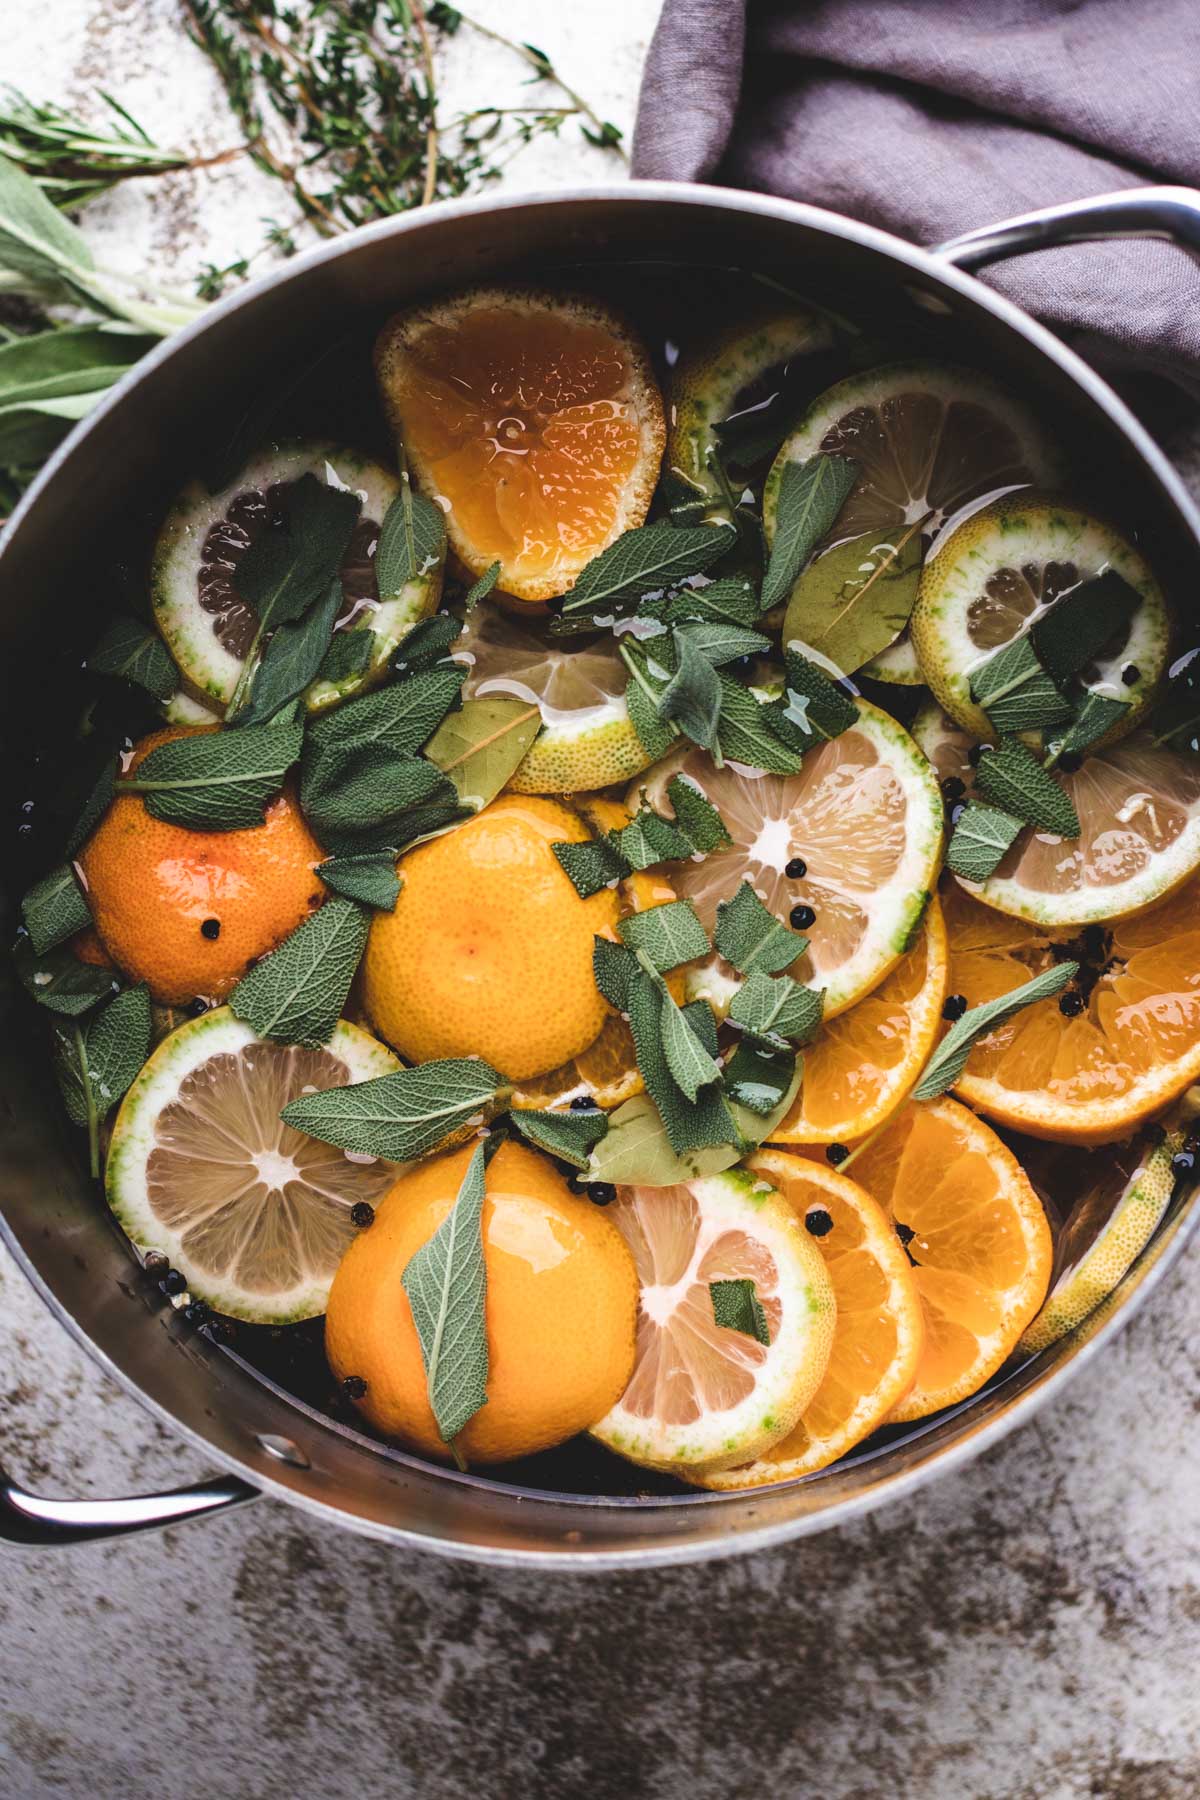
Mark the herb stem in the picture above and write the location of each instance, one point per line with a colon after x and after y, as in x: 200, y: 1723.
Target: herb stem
x: 548, y: 72
x: 431, y: 130
x: 93, y: 1120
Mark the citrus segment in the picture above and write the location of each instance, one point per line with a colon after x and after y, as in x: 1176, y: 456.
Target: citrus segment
x: 863, y: 817
x: 534, y: 419
x: 488, y: 950
x: 704, y: 1396
x: 559, y: 1310
x: 976, y: 1234
x: 1128, y: 1041
x: 187, y: 912
x: 861, y: 1065
x: 879, y: 1330
x: 201, y: 1167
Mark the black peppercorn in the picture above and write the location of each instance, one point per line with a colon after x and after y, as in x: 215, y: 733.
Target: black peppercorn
x: 173, y: 1283
x: 953, y: 788
x: 836, y: 1154
x: 818, y: 1222
x: 362, y: 1213
x: 1183, y: 1163
x: 576, y: 1183
x: 583, y: 1103
x: 211, y: 929
x: 354, y: 1387
x: 802, y: 917
x: 196, y: 1313
x: 797, y: 869
x: 601, y: 1193
x: 1131, y: 674
x: 1069, y: 761
x: 974, y: 754
x: 1071, y: 1003
x: 955, y: 1007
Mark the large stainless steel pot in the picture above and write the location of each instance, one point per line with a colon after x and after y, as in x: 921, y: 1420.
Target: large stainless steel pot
x: 142, y: 440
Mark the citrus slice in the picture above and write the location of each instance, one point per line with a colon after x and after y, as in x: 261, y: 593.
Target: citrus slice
x: 929, y: 440
x: 586, y: 740
x: 743, y: 379
x: 944, y: 743
x: 1128, y: 1040
x: 207, y: 625
x: 534, y: 418
x: 864, y: 819
x: 1123, y: 1193
x: 976, y: 1234
x: 994, y: 577
x: 255, y: 1214
x: 704, y: 1396
x: 861, y: 1065
x: 879, y: 1330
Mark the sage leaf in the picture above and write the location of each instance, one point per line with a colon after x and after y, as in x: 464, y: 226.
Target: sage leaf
x: 347, y: 654
x: 730, y: 601
x: 668, y: 935
x: 737, y: 1307
x: 1080, y: 625
x: 220, y: 781
x: 98, y: 1059
x: 649, y: 839
x: 404, y: 715
x: 483, y: 744
x: 412, y: 541
x: 776, y: 1008
x: 290, y: 565
x: 749, y: 936
x: 654, y: 734
x: 570, y: 1136
x: 1176, y: 719
x: 1015, y: 691
x: 980, y: 841
x: 482, y: 587
x: 290, y: 661
x: 350, y: 787
x: 402, y: 1116
x: 369, y: 877
x: 699, y: 1123
x: 54, y: 909
x: 58, y: 980
x: 696, y: 815
x: 68, y: 361
x: 719, y: 643
x: 700, y: 1016
x: 811, y: 495
x: 30, y: 430
x: 746, y: 732
x: 1012, y: 778
x: 446, y: 1284
x: 132, y: 652
x: 692, y: 697
x: 428, y: 643
x: 643, y: 561
x: 97, y: 803
x: 856, y: 599
x: 613, y: 968
x: 949, y: 1058
x: 1094, y: 718
x: 691, y: 1064
x: 296, y: 994
x: 813, y: 708
x: 591, y: 866
x: 758, y: 1074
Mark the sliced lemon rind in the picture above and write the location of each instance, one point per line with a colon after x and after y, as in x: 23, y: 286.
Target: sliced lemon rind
x: 897, y: 665
x: 179, y: 1055
x: 598, y: 750
x: 736, y: 1200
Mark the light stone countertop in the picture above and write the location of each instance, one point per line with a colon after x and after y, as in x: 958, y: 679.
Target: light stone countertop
x: 1028, y: 1629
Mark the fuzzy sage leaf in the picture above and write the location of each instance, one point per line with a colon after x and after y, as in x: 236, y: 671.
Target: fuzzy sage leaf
x: 132, y: 652
x: 412, y: 541
x: 692, y: 697
x: 293, y: 656
x: 949, y: 1059
x: 1016, y: 692
x: 219, y: 781
x: 811, y: 495
x: 406, y: 1114
x: 668, y: 935
x: 369, y: 877
x: 55, y: 908
x: 61, y: 983
x: 1080, y: 625
x: 296, y: 994
x: 776, y: 1008
x: 1012, y: 778
x: 980, y: 840
x: 737, y: 1307
x: 98, y: 1058
x: 569, y: 1136
x: 749, y: 936
x: 446, y: 1284
x: 643, y: 561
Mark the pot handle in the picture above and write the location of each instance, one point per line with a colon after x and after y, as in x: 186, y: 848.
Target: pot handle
x: 28, y: 1519
x: 1154, y: 212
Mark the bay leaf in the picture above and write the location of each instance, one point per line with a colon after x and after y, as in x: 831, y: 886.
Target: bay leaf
x: 482, y: 744
x: 855, y: 600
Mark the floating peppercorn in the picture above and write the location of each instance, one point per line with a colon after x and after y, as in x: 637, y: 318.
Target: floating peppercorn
x: 1069, y: 761
x: 797, y: 869
x: 583, y: 1103
x: 196, y: 1313
x: 1182, y: 1163
x: 974, y: 754
x: 836, y: 1153
x: 953, y: 788
x: 802, y: 917
x: 601, y: 1193
x: 1131, y: 674
x: 1071, y: 1003
x: 173, y: 1283
x: 819, y: 1222
x: 955, y: 1007
x: 211, y: 929
x: 362, y: 1213
x: 354, y: 1387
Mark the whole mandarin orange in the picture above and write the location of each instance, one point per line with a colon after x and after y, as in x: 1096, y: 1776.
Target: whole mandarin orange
x: 560, y: 1308
x: 187, y: 912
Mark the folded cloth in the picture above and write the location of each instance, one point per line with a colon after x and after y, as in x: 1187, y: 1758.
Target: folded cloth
x: 929, y: 117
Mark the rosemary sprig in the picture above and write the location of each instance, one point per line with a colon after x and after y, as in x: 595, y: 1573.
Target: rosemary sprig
x: 73, y: 160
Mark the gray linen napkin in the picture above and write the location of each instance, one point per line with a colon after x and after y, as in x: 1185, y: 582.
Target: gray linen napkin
x: 929, y: 117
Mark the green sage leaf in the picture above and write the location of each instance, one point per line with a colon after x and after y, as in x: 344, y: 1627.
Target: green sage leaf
x: 570, y: 1136
x: 1094, y: 718
x: 349, y: 788
x: 746, y: 732
x: 446, y: 1284
x: 1012, y: 778
x: 692, y: 697
x: 1083, y: 623
x: 595, y: 864
x: 613, y: 968
x: 412, y: 541
x: 220, y: 781
x: 404, y: 715
x: 649, y: 839
x: 68, y: 361
x: 696, y: 815
x: 636, y: 1150
x: 749, y: 936
x: 758, y: 1074
x: 481, y: 587
x: 737, y: 1307
x: 402, y: 1116
x: 292, y: 659
x: 813, y: 708
x: 730, y: 601
x: 54, y: 909
x: 296, y: 994
x: 97, y: 1059
x: 369, y: 877
x: 811, y: 495
x: 1015, y: 691
x: 698, y: 1123
x: 980, y: 841
x: 720, y: 643
x: 428, y: 643
x: 654, y: 735
x: 483, y: 744
x: 58, y: 981
x: 290, y: 565
x: 643, y: 561
x: 347, y: 654
x: 668, y: 935
x: 776, y: 1008
x: 949, y: 1058
x: 132, y: 652
x: 692, y: 1065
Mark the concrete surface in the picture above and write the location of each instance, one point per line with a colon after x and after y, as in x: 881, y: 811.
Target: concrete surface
x: 1027, y: 1630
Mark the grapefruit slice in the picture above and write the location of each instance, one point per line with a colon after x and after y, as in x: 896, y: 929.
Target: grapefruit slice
x: 255, y: 1214
x: 878, y: 1335
x: 930, y: 440
x: 705, y: 1396
x: 207, y: 625
x: 860, y: 827
x: 586, y: 740
x: 977, y: 1238
x: 534, y: 419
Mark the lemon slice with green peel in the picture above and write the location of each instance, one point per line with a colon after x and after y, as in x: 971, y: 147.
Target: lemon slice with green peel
x: 994, y: 577
x: 1125, y: 1192
x: 200, y: 1167
x: 860, y: 827
x: 705, y: 1396
x: 209, y: 628
x: 742, y: 379
x: 929, y: 440
x: 587, y: 739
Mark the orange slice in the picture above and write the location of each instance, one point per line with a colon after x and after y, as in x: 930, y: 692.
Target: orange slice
x: 534, y: 419
x: 879, y: 1334
x: 977, y: 1236
x: 862, y: 1064
x: 1092, y: 1076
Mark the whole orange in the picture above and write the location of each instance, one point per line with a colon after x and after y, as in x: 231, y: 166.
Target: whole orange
x: 560, y: 1309
x: 488, y: 951
x: 187, y: 912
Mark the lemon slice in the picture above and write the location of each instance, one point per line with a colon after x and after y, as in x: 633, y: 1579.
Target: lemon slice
x: 1125, y: 1192
x: 534, y: 419
x: 930, y: 440
x: 208, y: 627
x: 586, y: 740
x: 878, y: 1336
x: 704, y: 1396
x: 255, y: 1214
x: 863, y: 817
x: 991, y: 579
x: 742, y: 373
